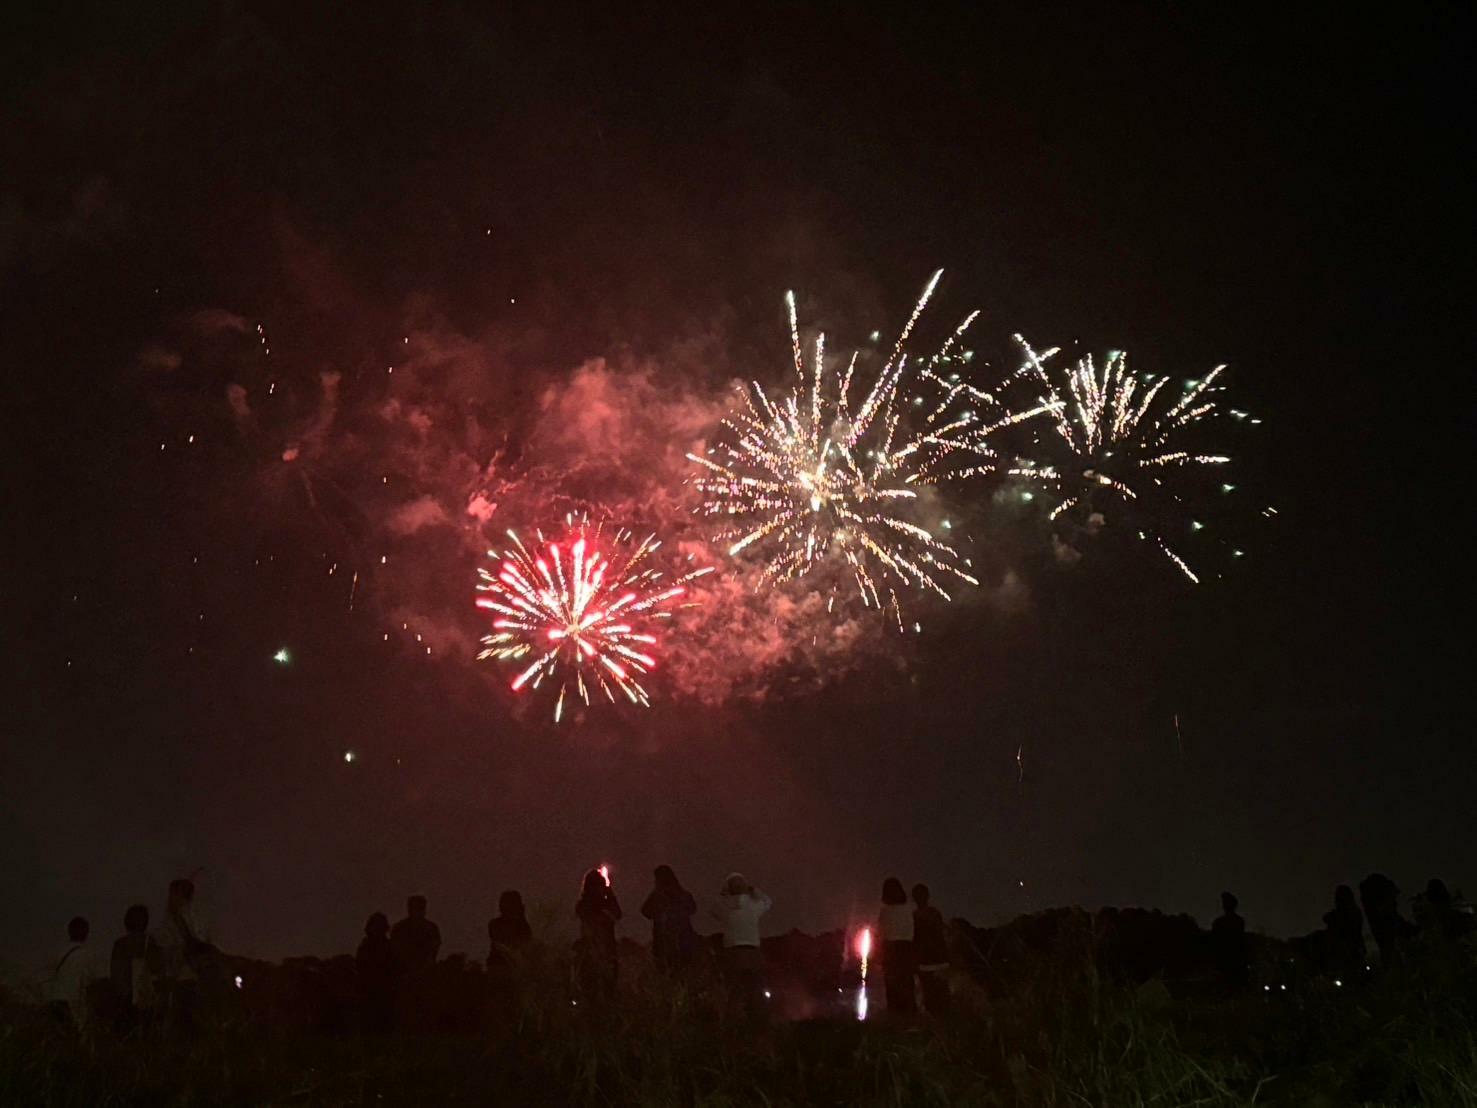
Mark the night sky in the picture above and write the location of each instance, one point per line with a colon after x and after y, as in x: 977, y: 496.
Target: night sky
x: 567, y: 235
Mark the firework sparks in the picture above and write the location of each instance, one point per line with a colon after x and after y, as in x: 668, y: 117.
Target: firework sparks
x: 581, y: 612
x: 825, y: 471
x: 1122, y: 434
x: 863, y: 945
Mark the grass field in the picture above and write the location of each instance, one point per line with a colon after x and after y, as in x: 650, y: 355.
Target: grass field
x: 1064, y: 1035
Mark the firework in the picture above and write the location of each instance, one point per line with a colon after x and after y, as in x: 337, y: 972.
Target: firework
x: 581, y: 612
x: 833, y: 467
x: 864, y: 955
x: 1123, y: 435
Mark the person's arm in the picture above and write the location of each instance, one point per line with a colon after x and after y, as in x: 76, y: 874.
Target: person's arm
x: 614, y: 905
x: 647, y: 908
x: 689, y: 904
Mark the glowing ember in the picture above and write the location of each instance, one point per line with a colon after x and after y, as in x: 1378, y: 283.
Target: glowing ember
x: 580, y: 612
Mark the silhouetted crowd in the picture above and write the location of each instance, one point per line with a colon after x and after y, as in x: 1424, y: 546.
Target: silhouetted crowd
x: 171, y: 972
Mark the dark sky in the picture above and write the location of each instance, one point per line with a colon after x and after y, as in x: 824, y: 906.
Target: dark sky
x: 1287, y: 192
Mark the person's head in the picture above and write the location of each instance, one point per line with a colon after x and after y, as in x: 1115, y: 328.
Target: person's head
x: 415, y: 907
x: 666, y: 879
x: 1378, y: 892
x: 594, y: 884
x: 1229, y: 903
x: 77, y: 930
x: 920, y: 895
x: 735, y: 884
x: 510, y: 904
x: 1437, y: 893
x: 1343, y: 897
x: 136, y: 919
x: 377, y: 926
x: 181, y: 892
x: 892, y: 892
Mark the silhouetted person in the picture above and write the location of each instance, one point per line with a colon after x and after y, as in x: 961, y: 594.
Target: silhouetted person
x: 598, y: 958
x: 1228, y: 940
x: 895, y: 927
x: 740, y: 906
x: 134, y: 968
x: 71, y: 973
x: 414, y: 941
x: 931, y: 947
x: 1345, y: 935
x: 508, y: 931
x: 1391, y: 931
x: 375, y: 964
x: 192, y: 965
x: 1437, y: 916
x: 670, y: 908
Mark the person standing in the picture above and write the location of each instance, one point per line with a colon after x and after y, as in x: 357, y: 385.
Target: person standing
x: 930, y: 944
x: 1345, y: 930
x: 740, y: 905
x: 895, y: 927
x: 71, y: 973
x: 670, y: 908
x: 508, y: 931
x: 598, y: 956
x: 415, y: 941
x: 375, y: 967
x: 134, y: 966
x: 1228, y: 939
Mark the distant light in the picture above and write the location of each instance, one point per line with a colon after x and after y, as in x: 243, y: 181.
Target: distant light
x: 238, y: 981
x: 349, y: 755
x: 768, y: 995
x: 282, y: 657
x: 1028, y: 496
x: 1227, y: 488
x: 1337, y: 983
x: 876, y: 335
x: 1196, y: 525
x: 947, y: 526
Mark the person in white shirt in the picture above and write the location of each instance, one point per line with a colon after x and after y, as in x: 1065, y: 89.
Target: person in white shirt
x: 895, y: 926
x: 72, y: 972
x: 739, y: 907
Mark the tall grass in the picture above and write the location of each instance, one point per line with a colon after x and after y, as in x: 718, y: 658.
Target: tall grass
x: 1065, y: 1037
